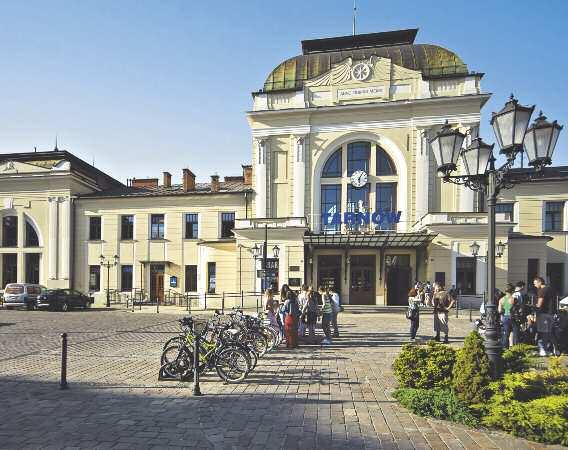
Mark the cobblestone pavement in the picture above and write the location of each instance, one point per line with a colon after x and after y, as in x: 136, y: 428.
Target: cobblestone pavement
x: 315, y: 397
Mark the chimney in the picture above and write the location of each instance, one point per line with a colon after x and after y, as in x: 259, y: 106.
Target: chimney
x: 215, y: 185
x: 167, y: 179
x: 247, y: 174
x: 188, y: 180
x: 147, y: 183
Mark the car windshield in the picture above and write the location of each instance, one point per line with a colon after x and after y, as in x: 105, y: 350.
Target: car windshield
x: 14, y: 289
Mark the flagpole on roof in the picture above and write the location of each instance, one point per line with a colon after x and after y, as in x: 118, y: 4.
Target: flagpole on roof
x: 354, y: 15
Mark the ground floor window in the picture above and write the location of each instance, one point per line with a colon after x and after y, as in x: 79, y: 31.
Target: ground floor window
x: 94, y: 278
x: 211, y: 277
x: 190, y: 278
x: 465, y: 275
x: 329, y: 271
x: 9, y: 268
x: 555, y: 277
x: 32, y: 268
x: 126, y: 278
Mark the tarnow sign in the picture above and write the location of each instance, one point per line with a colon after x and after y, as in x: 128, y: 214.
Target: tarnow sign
x: 361, y: 218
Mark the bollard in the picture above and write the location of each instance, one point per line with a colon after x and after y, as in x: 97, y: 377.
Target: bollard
x: 196, y: 388
x: 257, y: 304
x: 223, y: 303
x: 470, y: 313
x: 242, y: 300
x: 158, y: 304
x: 63, y: 380
x: 205, y: 302
x: 457, y: 307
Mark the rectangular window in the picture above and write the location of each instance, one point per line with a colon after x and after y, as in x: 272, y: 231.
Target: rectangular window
x: 507, y: 209
x: 95, y: 228
x: 227, y: 224
x: 357, y: 201
x: 32, y: 268
x: 127, y: 228
x: 330, y: 205
x: 386, y: 197
x: 10, y: 231
x: 358, y: 154
x: 190, y: 278
x: 191, y: 226
x: 9, y: 268
x: 157, y: 226
x: 555, y: 277
x: 465, y: 275
x: 126, y: 278
x: 553, y: 216
x: 211, y: 277
x: 94, y: 278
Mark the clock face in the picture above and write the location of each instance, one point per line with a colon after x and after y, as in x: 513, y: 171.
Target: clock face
x: 359, y: 178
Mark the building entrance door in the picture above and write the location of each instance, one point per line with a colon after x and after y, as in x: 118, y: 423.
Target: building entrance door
x: 362, y: 282
x: 157, y: 282
x: 398, y: 275
x: 465, y: 275
x: 329, y: 271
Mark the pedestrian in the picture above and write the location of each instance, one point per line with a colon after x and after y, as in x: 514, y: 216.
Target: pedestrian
x: 281, y: 313
x: 428, y: 293
x: 335, y: 310
x: 310, y: 312
x: 413, y: 313
x: 442, y: 302
x: 270, y: 308
x: 545, y: 308
x: 302, y: 300
x: 506, y: 307
x: 292, y: 313
x: 326, y: 315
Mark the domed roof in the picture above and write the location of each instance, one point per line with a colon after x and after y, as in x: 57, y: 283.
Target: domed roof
x: 321, y: 54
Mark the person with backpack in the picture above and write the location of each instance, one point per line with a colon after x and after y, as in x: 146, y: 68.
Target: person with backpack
x: 292, y: 314
x: 413, y: 313
x: 310, y: 312
x: 507, y: 308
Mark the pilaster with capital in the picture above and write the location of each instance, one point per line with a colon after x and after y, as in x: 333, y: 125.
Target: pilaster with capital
x: 52, y: 237
x: 260, y: 186
x: 64, y: 237
x: 299, y: 183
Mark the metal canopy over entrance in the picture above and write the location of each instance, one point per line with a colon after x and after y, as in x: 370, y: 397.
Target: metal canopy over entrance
x: 380, y: 240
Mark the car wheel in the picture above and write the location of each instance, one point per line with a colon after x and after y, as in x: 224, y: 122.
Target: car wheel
x: 64, y: 307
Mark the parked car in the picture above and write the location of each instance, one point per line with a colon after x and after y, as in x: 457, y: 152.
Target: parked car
x: 63, y: 299
x: 17, y: 295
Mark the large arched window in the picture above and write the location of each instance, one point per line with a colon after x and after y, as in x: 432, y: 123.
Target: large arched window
x: 32, y: 239
x: 332, y: 167
x: 385, y: 165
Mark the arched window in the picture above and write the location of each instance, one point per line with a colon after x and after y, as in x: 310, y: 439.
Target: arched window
x: 32, y: 239
x: 332, y: 167
x: 10, y: 231
x: 358, y: 154
x: 385, y: 165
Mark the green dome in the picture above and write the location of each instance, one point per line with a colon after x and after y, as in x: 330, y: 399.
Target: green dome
x: 432, y: 60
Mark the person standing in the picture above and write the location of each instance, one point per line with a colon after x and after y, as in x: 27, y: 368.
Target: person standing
x: 545, y: 308
x: 302, y: 300
x: 326, y: 315
x: 505, y: 308
x: 281, y: 313
x: 270, y: 307
x: 310, y: 311
x: 413, y: 313
x: 292, y: 312
x: 442, y: 302
x: 335, y: 310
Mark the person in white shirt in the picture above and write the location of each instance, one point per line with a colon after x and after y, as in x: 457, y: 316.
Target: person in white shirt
x: 336, y: 308
x: 302, y: 301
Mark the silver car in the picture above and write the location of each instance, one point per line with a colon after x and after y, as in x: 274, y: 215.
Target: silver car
x: 17, y: 295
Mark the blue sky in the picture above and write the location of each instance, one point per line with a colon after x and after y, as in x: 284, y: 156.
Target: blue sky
x: 144, y: 87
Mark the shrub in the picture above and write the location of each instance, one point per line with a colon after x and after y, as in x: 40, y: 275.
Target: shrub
x: 531, y: 385
x: 518, y: 358
x: 440, y: 403
x: 542, y: 420
x: 424, y: 366
x: 471, y: 374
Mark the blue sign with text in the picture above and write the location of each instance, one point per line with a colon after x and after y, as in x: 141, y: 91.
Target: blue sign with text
x: 361, y: 218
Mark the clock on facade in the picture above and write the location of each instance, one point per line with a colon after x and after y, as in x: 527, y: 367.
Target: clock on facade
x: 359, y: 178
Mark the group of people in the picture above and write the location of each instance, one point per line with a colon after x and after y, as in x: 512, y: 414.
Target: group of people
x: 297, y: 313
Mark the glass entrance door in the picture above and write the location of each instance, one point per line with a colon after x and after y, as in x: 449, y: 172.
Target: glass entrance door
x: 398, y: 277
x: 362, y: 281
x: 465, y: 275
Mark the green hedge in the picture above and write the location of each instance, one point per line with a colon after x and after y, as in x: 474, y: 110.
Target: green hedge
x: 518, y: 358
x: 425, y: 366
x: 471, y: 374
x: 440, y: 403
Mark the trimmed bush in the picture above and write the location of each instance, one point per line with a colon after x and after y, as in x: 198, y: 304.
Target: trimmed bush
x: 518, y: 358
x: 541, y: 420
x: 531, y: 385
x: 471, y: 373
x: 425, y: 366
x: 439, y: 403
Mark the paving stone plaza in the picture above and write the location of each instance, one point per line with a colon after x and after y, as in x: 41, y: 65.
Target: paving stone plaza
x: 314, y: 397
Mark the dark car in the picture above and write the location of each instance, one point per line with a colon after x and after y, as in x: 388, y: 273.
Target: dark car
x: 63, y: 299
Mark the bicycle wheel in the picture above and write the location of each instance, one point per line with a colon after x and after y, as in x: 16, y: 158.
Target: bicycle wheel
x: 259, y: 344
x: 232, y: 365
x: 178, y: 360
x: 174, y: 340
x: 271, y: 337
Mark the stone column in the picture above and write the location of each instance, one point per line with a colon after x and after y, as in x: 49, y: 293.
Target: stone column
x: 299, y: 176
x: 260, y: 179
x: 64, y: 238
x: 53, y: 236
x: 21, y: 257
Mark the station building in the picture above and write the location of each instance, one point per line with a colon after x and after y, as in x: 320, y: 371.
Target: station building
x: 343, y: 182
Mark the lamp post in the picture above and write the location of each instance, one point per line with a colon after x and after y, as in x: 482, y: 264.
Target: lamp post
x: 108, y: 264
x: 258, y: 252
x: 482, y: 175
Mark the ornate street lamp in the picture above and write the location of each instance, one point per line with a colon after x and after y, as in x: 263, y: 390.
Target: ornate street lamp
x: 499, y: 249
x: 276, y: 251
x: 108, y: 264
x: 510, y: 127
x: 474, y: 249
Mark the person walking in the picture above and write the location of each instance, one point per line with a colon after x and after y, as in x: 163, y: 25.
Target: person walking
x: 413, y: 313
x: 545, y: 308
x: 310, y: 312
x: 327, y: 311
x: 442, y: 302
x: 335, y: 310
x: 505, y: 307
x: 292, y: 313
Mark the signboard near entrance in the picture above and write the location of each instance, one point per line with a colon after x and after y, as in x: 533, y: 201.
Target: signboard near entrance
x: 173, y: 281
